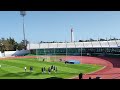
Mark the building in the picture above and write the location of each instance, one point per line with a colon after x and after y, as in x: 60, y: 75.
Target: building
x: 76, y: 48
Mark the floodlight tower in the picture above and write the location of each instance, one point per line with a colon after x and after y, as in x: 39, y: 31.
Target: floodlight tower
x: 72, y: 35
x: 23, y: 13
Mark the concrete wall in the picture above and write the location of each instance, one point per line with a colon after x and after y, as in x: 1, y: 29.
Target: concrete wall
x: 14, y: 53
x: 9, y: 53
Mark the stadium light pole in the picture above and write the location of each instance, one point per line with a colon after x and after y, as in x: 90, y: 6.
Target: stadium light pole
x: 23, y: 13
x: 54, y: 54
x: 81, y: 53
x: 66, y: 49
x: 81, y: 50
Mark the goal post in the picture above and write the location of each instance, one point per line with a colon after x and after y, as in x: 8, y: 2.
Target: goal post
x: 43, y: 57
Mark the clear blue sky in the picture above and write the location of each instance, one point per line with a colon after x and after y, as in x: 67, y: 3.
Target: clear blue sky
x: 56, y: 25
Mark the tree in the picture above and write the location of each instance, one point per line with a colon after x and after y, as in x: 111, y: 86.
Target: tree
x: 2, y: 47
x: 91, y: 39
x: 22, y: 44
x: 101, y: 39
x: 114, y: 38
x: 87, y: 40
x: 9, y: 44
x: 80, y: 40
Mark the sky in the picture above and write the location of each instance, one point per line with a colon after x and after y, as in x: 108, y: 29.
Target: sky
x: 56, y: 25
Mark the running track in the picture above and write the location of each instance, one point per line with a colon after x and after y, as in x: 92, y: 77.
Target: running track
x: 111, y: 70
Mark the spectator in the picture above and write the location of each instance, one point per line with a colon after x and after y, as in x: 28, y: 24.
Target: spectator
x: 80, y: 76
x: 90, y: 78
x: 98, y: 77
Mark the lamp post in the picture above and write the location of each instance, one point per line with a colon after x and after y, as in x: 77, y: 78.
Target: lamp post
x: 23, y: 13
x: 66, y: 49
x: 81, y: 53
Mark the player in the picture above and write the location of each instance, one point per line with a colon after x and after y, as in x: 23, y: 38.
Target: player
x: 25, y: 68
x: 44, y: 70
x: 56, y: 70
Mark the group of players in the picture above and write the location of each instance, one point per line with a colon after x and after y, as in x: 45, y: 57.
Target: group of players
x: 43, y: 69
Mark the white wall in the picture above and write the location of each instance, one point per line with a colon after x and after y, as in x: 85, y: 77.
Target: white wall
x: 9, y: 53
x: 14, y: 53
x: 0, y: 54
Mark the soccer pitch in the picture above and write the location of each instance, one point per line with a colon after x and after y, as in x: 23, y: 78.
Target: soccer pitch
x: 14, y: 69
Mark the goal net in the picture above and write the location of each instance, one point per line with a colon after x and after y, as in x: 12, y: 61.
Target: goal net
x: 43, y: 58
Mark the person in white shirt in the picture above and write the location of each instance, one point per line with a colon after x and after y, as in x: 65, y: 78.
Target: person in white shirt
x: 0, y: 66
x: 25, y: 68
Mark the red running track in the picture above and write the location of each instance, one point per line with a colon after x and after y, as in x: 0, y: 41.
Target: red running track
x: 111, y: 70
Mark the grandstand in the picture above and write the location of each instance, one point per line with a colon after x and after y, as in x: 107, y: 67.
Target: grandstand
x: 74, y: 48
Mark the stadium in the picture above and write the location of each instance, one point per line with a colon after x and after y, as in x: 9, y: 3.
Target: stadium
x: 105, y: 54
x: 97, y: 52
x: 95, y: 48
x: 62, y: 60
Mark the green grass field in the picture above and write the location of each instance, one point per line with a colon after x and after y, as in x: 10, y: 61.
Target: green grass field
x: 14, y: 69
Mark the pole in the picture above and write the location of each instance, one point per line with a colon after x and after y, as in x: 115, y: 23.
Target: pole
x: 44, y: 51
x: 23, y: 13
x: 81, y: 53
x: 39, y: 51
x: 66, y: 50
x: 71, y: 35
x: 24, y: 33
x: 54, y: 54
